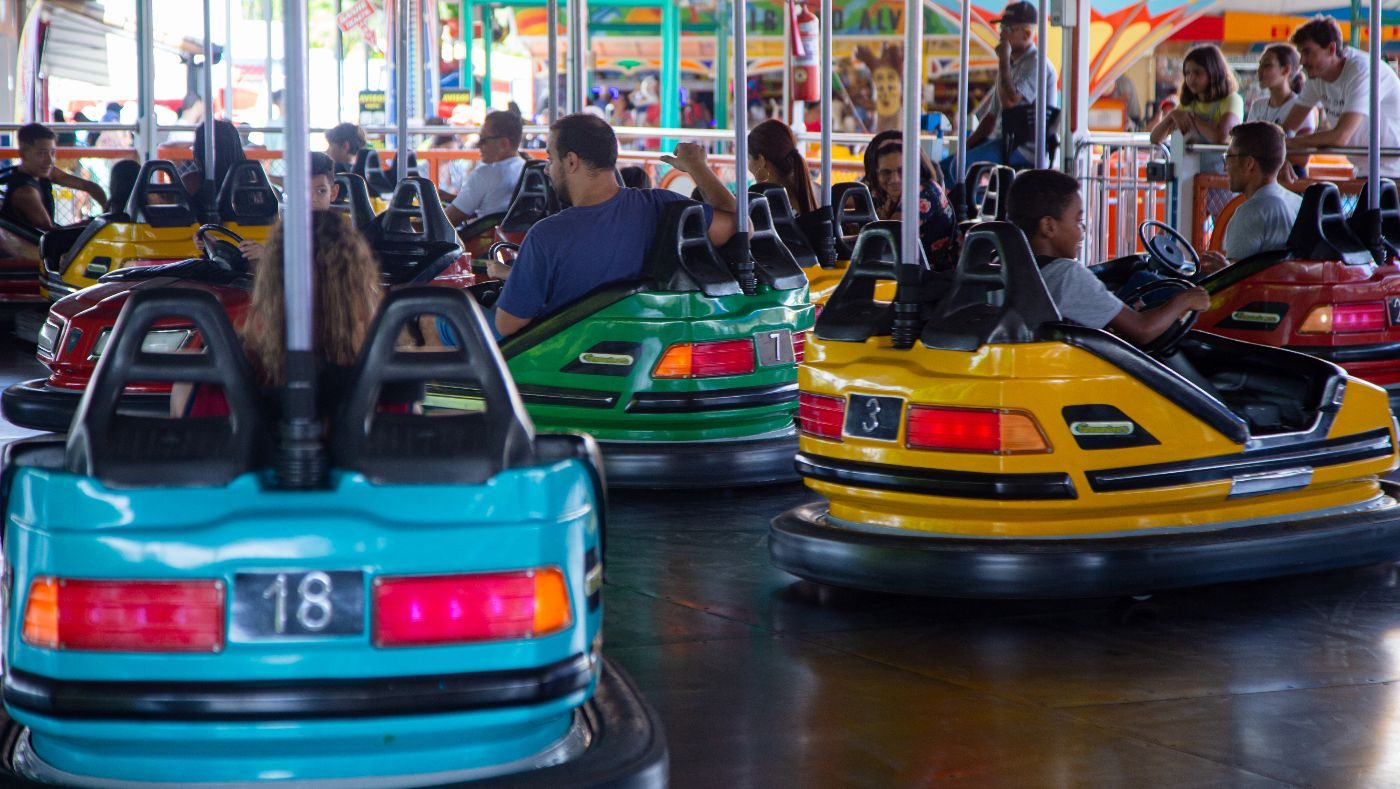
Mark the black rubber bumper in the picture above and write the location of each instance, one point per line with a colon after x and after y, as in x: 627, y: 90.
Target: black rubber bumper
x: 700, y: 464
x: 802, y: 542
x: 37, y: 406
x: 628, y: 749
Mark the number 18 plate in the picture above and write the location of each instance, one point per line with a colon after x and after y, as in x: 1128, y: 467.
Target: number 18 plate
x: 297, y: 605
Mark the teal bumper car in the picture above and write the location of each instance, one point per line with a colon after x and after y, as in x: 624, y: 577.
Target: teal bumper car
x: 178, y: 614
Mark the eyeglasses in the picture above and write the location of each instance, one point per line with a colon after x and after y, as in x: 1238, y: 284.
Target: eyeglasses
x: 485, y: 138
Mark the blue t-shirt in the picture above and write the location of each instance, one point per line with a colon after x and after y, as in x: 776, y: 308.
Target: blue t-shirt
x: 576, y: 251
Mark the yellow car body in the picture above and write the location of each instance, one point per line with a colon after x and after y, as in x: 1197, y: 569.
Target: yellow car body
x: 1064, y: 462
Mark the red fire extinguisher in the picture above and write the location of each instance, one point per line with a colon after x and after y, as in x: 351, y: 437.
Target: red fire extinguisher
x: 804, y: 54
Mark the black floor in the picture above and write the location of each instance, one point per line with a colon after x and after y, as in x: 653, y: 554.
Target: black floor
x: 767, y: 682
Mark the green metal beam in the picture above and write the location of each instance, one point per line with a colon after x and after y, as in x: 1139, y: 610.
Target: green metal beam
x: 670, y: 70
x: 464, y: 31
x: 722, y: 66
x: 486, y: 55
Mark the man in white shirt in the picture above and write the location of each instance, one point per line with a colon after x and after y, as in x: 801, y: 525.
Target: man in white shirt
x: 490, y: 185
x: 1265, y: 219
x: 1015, y: 85
x: 1339, y: 78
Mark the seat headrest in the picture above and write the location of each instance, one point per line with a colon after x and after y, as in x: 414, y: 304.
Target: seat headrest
x: 997, y: 295
x: 773, y: 261
x: 159, y: 178
x: 469, y: 447
x: 785, y: 222
x: 1390, y: 214
x: 852, y: 209
x: 533, y: 199
x: 246, y: 196
x: 121, y: 449
x: 354, y: 195
x: 853, y: 314
x: 992, y: 203
x: 369, y: 167
x: 681, y: 256
x: 122, y: 181
x: 1320, y: 231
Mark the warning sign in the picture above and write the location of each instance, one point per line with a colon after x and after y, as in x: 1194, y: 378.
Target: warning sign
x: 356, y: 16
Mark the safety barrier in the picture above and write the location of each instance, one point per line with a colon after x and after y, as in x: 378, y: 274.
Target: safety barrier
x: 1125, y: 180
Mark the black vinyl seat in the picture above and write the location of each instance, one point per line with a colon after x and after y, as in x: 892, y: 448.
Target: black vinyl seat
x: 1321, y: 231
x: 247, y: 197
x: 852, y: 209
x: 785, y: 223
x: 773, y: 260
x: 414, y: 239
x: 533, y: 200
x: 354, y: 199
x: 369, y: 167
x: 1390, y: 214
x: 853, y: 314
x: 1018, y: 129
x: 172, y: 206
x: 996, y: 296
x: 128, y: 450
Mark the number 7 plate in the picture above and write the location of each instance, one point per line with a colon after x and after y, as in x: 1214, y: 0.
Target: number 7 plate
x: 297, y: 605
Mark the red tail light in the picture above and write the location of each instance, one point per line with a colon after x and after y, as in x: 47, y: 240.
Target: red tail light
x: 973, y: 430
x: 445, y: 609
x: 125, y: 616
x: 1342, y: 318
x: 821, y: 415
x: 799, y: 346
x: 706, y: 359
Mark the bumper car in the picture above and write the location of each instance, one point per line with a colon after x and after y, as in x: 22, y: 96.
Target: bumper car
x: 685, y: 377
x: 19, y: 275
x: 183, y: 615
x: 968, y: 443
x: 1325, y: 295
x: 158, y: 226
x: 413, y: 240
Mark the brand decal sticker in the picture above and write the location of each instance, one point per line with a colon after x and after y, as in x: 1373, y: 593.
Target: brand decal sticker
x: 617, y: 359
x: 1256, y: 317
x: 1102, y: 428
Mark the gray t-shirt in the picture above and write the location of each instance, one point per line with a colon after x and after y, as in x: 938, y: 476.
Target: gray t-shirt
x: 1023, y: 79
x: 1262, y: 223
x: 1079, y: 295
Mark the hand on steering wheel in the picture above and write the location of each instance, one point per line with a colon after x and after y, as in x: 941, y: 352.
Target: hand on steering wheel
x: 1169, y: 249
x: 218, y: 251
x: 1168, y: 341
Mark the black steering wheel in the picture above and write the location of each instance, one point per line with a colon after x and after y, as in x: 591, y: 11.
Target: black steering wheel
x: 222, y: 253
x: 1168, y: 341
x: 1170, y: 249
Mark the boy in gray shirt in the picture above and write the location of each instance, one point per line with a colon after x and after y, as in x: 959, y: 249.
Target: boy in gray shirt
x: 1046, y: 206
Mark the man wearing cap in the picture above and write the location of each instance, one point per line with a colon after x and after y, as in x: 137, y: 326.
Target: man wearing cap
x: 1015, y: 85
x: 490, y: 185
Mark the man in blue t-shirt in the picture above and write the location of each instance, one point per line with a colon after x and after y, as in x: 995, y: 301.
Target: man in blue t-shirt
x: 604, y: 237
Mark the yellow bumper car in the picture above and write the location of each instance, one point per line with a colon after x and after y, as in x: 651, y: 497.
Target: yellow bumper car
x: 969, y: 443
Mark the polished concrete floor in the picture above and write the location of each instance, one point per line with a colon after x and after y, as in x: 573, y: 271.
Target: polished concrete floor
x: 763, y: 681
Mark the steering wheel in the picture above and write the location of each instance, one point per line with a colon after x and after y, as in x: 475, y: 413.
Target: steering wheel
x: 503, y: 253
x: 1170, y: 249
x: 222, y: 253
x: 1168, y: 341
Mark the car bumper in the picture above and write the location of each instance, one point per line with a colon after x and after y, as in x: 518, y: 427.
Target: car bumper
x: 764, y: 460
x: 37, y: 406
x: 804, y: 542
x: 616, y: 740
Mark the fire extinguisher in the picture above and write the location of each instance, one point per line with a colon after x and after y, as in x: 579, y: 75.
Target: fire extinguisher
x: 804, y: 54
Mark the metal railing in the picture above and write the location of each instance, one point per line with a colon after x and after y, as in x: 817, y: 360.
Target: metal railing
x: 1123, y: 181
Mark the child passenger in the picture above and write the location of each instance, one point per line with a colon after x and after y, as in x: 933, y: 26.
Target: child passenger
x: 1046, y: 206
x: 1210, y: 104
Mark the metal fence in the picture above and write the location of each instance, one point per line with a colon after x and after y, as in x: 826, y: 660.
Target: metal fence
x: 1124, y: 180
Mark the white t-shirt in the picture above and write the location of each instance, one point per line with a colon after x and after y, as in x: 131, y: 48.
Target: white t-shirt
x: 1262, y: 223
x: 1351, y: 92
x: 489, y: 187
x: 1261, y: 110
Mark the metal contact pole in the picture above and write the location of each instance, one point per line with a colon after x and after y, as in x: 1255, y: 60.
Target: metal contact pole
x: 552, y: 62
x: 1041, y: 94
x: 145, y: 47
x: 267, y: 59
x: 1373, y: 152
x: 964, y: 54
x: 432, y: 42
x: 208, y: 188
x: 825, y: 57
x: 575, y: 76
x: 909, y: 192
x: 741, y: 116
x: 228, y: 60
x: 339, y: 66
x: 401, y: 109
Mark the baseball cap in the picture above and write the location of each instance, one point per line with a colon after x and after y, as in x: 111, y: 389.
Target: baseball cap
x: 1021, y: 13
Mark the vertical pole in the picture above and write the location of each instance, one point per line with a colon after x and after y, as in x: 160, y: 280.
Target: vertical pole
x: 432, y: 40
x: 267, y: 60
x: 1355, y: 28
x: 576, y: 45
x: 1373, y: 153
x: 228, y: 60
x: 825, y: 57
x: 584, y: 50
x: 1042, y: 95
x: 737, y: 251
x: 146, y: 120
x: 1080, y: 88
x: 552, y: 59
x: 786, y: 114
x: 208, y: 189
x: 486, y: 55
x: 401, y: 105
x: 339, y: 66
x: 964, y: 55
x: 909, y: 192
x: 467, y: 8
x: 722, y: 66
x: 670, y: 70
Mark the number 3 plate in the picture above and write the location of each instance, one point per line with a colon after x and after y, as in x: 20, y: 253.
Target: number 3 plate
x: 297, y: 605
